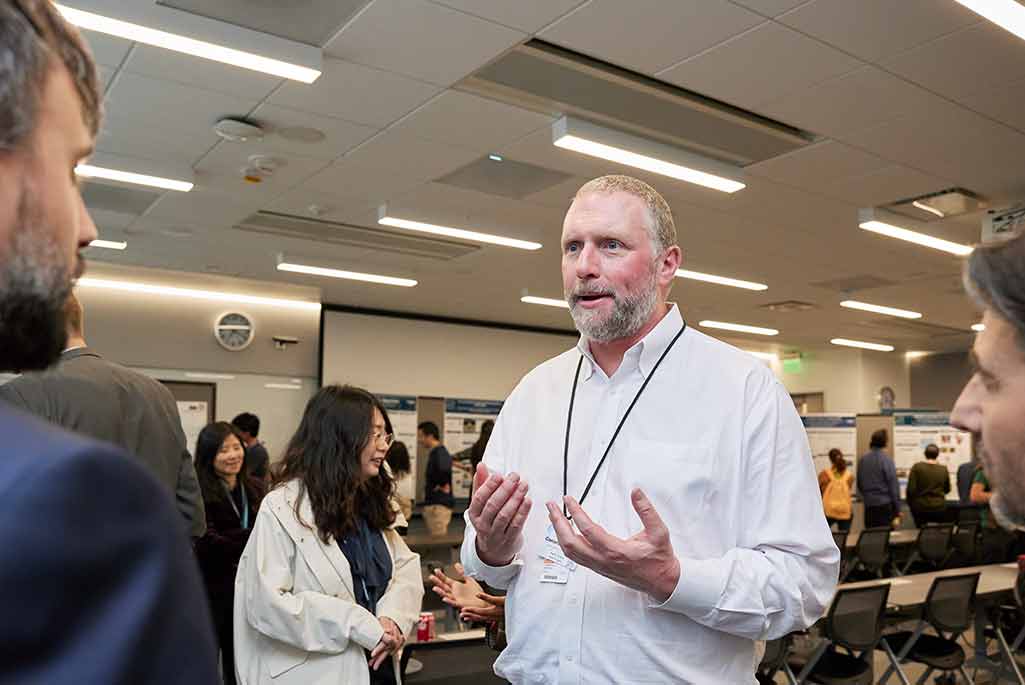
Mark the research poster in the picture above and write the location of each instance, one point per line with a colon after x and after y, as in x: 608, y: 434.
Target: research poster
x: 402, y: 413
x: 194, y: 418
x: 914, y: 431
x: 463, y: 419
x: 826, y: 431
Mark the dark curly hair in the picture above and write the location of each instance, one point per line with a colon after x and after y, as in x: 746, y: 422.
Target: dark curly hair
x: 324, y: 455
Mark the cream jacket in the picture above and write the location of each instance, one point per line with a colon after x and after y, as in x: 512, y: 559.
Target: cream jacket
x: 296, y: 617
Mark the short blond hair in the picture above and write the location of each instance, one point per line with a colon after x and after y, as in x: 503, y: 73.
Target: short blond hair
x: 660, y: 217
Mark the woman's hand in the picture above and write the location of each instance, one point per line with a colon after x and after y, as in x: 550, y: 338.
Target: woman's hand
x: 492, y: 611
x: 460, y: 592
x: 391, y: 642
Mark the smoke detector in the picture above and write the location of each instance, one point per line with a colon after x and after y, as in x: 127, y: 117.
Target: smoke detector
x: 238, y: 129
x: 260, y: 167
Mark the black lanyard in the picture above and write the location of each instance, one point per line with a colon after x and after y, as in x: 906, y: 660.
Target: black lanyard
x: 608, y: 448
x: 243, y: 516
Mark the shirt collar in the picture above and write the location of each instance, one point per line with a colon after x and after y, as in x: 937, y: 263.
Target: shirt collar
x: 645, y: 351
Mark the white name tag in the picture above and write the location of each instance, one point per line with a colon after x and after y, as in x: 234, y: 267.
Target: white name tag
x: 554, y: 573
x: 551, y: 550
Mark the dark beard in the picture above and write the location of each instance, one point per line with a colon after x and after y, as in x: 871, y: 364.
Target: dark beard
x: 34, y: 284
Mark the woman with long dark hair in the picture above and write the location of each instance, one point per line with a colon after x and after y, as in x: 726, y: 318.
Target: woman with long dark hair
x: 327, y: 589
x: 231, y: 498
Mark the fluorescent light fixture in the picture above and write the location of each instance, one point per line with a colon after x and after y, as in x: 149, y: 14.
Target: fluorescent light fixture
x: 495, y: 158
x: 449, y: 231
x: 209, y: 376
x: 348, y: 275
x: 150, y: 289
x: 90, y: 171
x: 1007, y: 14
x: 720, y: 280
x: 926, y: 208
x: 844, y: 342
x: 282, y: 386
x: 915, y: 354
x: 633, y: 151
x: 883, y: 223
x: 109, y: 244
x: 739, y: 327
x: 879, y: 309
x: 547, y: 301
x: 189, y: 46
x: 767, y: 356
x: 978, y: 327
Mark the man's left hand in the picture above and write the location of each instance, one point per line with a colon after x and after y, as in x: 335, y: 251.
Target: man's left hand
x: 643, y: 562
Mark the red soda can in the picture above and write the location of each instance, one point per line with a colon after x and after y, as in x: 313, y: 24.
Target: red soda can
x: 423, y: 626
x: 430, y: 626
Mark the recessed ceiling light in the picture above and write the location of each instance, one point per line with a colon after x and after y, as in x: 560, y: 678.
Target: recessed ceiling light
x: 739, y: 327
x: 109, y: 244
x: 720, y: 280
x: 150, y: 289
x: 90, y: 171
x: 630, y: 150
x: 879, y: 309
x: 882, y: 223
x: 547, y: 301
x: 348, y: 275
x: 844, y: 342
x: 978, y: 327
x: 189, y: 46
x: 1007, y: 14
x: 452, y: 232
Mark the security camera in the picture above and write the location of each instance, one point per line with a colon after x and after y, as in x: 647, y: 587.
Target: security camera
x: 283, y: 341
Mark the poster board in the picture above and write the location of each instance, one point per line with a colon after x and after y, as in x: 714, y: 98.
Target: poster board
x: 463, y: 419
x: 402, y: 414
x: 194, y: 416
x: 828, y: 430
x: 914, y: 430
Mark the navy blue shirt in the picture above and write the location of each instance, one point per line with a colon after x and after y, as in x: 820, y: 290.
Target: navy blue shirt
x: 439, y: 473
x: 877, y: 480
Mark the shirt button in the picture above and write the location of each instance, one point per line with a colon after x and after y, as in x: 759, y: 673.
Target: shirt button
x: 570, y: 658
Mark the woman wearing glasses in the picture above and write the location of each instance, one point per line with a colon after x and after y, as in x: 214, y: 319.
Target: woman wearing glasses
x: 326, y: 589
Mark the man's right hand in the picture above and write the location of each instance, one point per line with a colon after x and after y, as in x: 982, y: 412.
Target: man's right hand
x: 498, y: 512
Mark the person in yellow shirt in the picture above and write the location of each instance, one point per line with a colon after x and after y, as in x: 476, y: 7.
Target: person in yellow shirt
x: 835, y: 485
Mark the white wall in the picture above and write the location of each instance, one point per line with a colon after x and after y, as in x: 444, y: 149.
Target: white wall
x: 849, y: 379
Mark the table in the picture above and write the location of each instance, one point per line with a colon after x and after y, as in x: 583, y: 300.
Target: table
x: 898, y: 538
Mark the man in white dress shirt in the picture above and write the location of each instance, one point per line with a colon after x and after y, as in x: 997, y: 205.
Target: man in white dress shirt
x: 680, y: 460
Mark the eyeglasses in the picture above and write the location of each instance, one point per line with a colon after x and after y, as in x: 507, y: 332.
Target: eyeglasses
x: 386, y: 438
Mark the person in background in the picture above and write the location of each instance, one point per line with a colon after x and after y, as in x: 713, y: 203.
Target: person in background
x: 90, y: 395
x: 477, y: 449
x: 995, y: 540
x: 835, y: 487
x: 327, y: 591
x: 965, y: 475
x: 232, y: 499
x: 877, y: 483
x: 399, y: 462
x: 257, y: 459
x: 474, y: 605
x: 438, y: 500
x: 928, y: 485
x: 98, y: 583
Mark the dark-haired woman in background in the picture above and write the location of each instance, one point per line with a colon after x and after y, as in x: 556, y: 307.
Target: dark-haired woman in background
x: 231, y: 499
x: 478, y: 448
x: 327, y: 590
x: 401, y: 467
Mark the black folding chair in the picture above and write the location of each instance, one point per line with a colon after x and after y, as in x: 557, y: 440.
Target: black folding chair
x: 1010, y: 620
x: 775, y: 660
x: 840, y: 540
x: 871, y: 554
x: 965, y: 542
x: 933, y: 547
x: 948, y: 609
x: 855, y: 624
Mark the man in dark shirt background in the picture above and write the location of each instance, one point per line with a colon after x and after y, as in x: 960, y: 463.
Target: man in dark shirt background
x: 928, y: 485
x: 257, y: 459
x: 438, y: 498
x: 877, y: 483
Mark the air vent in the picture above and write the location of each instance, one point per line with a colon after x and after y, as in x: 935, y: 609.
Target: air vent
x: 506, y: 178
x: 940, y: 205
x: 130, y: 201
x: 853, y: 283
x: 911, y: 330
x: 788, y: 306
x: 552, y: 80
x: 288, y: 226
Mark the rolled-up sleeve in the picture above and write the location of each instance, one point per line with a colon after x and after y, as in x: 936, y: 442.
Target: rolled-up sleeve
x: 782, y: 574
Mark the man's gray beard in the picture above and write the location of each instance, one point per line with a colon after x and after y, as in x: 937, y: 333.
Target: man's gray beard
x: 1006, y: 516
x: 34, y: 284
x: 629, y: 314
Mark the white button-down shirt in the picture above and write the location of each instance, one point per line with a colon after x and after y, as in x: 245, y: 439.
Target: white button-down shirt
x: 715, y: 443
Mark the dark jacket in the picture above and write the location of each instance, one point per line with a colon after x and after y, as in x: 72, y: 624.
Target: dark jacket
x: 877, y: 480
x: 439, y: 474
x: 97, y: 580
x: 221, y: 547
x: 928, y: 485
x: 87, y: 394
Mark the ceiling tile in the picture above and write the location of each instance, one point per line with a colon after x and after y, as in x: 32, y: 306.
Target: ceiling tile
x: 221, y: 169
x: 817, y: 165
x: 969, y: 61
x: 852, y: 102
x: 770, y: 8
x: 175, y: 66
x: 105, y: 74
x: 471, y: 121
x: 348, y: 184
x: 107, y: 50
x: 411, y: 156
x: 356, y: 93
x: 107, y: 221
x: 876, y: 29
x: 201, y: 209
x: 525, y: 15
x: 1003, y: 104
x: 671, y: 31
x: 298, y: 201
x: 883, y: 186
x: 760, y: 65
x: 396, y: 35
x: 131, y: 136
x: 340, y: 136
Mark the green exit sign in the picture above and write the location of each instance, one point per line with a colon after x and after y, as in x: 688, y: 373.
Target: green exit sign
x: 792, y: 365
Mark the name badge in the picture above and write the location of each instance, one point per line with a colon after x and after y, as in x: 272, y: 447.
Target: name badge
x: 551, y: 551
x: 552, y: 572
